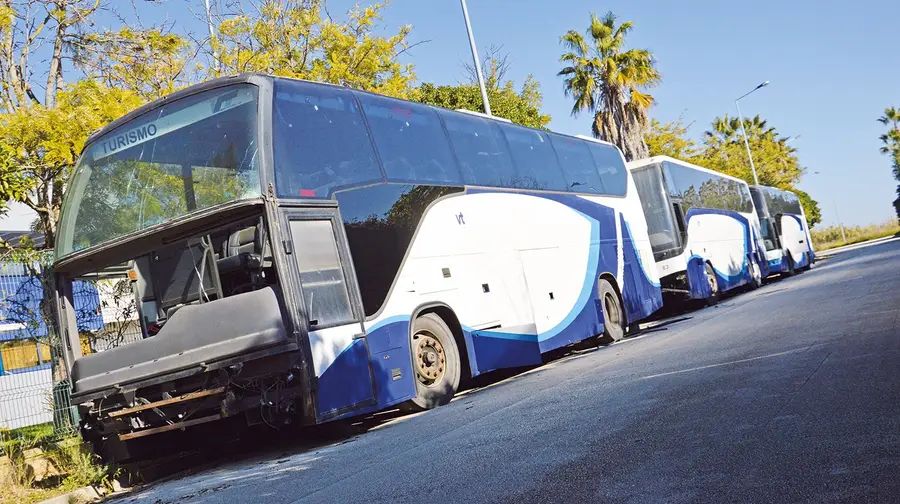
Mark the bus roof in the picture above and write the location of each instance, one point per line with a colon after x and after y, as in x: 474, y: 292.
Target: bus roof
x: 641, y: 163
x: 258, y: 78
x: 776, y: 189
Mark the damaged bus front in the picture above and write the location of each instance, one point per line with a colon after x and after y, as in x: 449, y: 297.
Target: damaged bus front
x: 171, y: 202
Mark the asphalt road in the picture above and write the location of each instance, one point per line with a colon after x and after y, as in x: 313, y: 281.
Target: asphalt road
x: 790, y: 393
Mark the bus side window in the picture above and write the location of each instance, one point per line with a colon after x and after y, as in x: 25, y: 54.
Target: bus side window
x: 679, y: 218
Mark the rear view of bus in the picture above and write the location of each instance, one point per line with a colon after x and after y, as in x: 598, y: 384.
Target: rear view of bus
x: 788, y: 244
x: 301, y: 252
x: 702, y: 227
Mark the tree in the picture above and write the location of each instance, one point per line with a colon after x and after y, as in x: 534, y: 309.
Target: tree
x: 39, y: 146
x: 298, y: 38
x: 891, y: 147
x: 151, y: 63
x: 671, y: 140
x: 521, y: 107
x: 609, y: 82
x: 776, y: 162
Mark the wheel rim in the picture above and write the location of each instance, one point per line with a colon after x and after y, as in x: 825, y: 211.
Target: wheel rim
x: 430, y: 358
x: 713, y: 282
x: 611, y: 307
x: 757, y: 275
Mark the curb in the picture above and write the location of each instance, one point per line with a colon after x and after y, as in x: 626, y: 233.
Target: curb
x: 85, y: 494
x: 846, y: 248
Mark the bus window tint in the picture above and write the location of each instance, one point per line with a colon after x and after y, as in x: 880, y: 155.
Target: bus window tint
x: 535, y: 161
x: 700, y: 189
x: 410, y: 140
x: 480, y: 149
x: 782, y: 202
x: 664, y: 235
x: 577, y: 165
x: 611, y: 168
x: 320, y: 140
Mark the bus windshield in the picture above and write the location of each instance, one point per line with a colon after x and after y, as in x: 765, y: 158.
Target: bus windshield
x: 183, y: 156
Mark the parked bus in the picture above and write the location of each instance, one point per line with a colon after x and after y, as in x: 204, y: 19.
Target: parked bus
x: 303, y: 251
x: 785, y: 232
x: 702, y: 227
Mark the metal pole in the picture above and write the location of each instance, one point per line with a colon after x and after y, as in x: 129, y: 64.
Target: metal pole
x: 484, y: 95
x: 212, y: 42
x: 746, y: 142
x: 841, y: 224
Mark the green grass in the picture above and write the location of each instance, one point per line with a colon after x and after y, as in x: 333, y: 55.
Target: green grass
x: 32, y: 435
x: 78, y: 467
x: 830, y: 237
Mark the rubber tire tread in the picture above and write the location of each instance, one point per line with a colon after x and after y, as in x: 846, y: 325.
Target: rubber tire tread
x: 428, y: 397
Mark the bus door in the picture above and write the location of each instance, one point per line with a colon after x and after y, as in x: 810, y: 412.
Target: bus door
x: 793, y: 236
x: 327, y: 297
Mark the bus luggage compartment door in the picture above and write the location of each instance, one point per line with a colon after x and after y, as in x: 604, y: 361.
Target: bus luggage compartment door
x: 318, y: 255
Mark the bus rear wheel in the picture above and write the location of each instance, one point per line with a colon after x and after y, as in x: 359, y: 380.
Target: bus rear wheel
x: 614, y: 323
x: 791, y: 270
x: 436, y: 363
x: 713, y: 298
x: 756, y: 279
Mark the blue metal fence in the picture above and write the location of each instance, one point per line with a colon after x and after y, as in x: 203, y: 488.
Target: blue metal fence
x: 34, y: 387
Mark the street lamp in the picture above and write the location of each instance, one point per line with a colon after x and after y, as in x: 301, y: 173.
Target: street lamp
x: 744, y: 130
x: 837, y: 216
x: 484, y: 96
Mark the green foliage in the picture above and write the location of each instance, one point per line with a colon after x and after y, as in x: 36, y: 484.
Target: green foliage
x: 296, y: 38
x: 891, y: 147
x: 522, y: 107
x: 149, y: 63
x: 608, y: 81
x: 671, y: 140
x: 39, y: 146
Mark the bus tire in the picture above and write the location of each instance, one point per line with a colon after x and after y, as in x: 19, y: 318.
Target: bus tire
x: 713, y: 298
x: 436, y: 363
x: 791, y: 270
x: 614, y: 322
x: 756, y: 279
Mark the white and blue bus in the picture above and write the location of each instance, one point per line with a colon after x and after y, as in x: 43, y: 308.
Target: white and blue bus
x: 785, y: 232
x: 702, y: 226
x: 305, y: 250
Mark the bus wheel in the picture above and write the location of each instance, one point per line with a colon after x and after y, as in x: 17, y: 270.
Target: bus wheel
x: 791, y: 271
x: 713, y: 298
x: 436, y: 362
x: 756, y: 279
x: 613, y: 315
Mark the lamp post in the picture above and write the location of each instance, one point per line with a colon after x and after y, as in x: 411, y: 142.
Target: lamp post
x: 484, y: 96
x: 744, y: 130
x: 837, y: 216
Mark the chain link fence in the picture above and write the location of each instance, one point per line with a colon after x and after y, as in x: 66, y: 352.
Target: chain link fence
x: 34, y: 387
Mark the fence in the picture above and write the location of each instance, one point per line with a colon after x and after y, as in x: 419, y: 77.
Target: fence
x: 34, y: 386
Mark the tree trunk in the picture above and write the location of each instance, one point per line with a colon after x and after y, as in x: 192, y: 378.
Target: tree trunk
x: 54, y: 76
x: 7, y: 58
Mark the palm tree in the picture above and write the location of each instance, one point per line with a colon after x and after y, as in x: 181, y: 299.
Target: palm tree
x: 891, y: 139
x: 728, y: 130
x: 608, y: 81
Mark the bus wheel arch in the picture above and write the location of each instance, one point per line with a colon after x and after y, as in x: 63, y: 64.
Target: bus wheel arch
x: 612, y: 308
x: 438, y: 356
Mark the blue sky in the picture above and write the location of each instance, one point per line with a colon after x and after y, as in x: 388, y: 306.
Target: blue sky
x: 833, y: 70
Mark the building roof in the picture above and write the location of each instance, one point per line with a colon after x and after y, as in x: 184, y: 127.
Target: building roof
x: 14, y: 237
